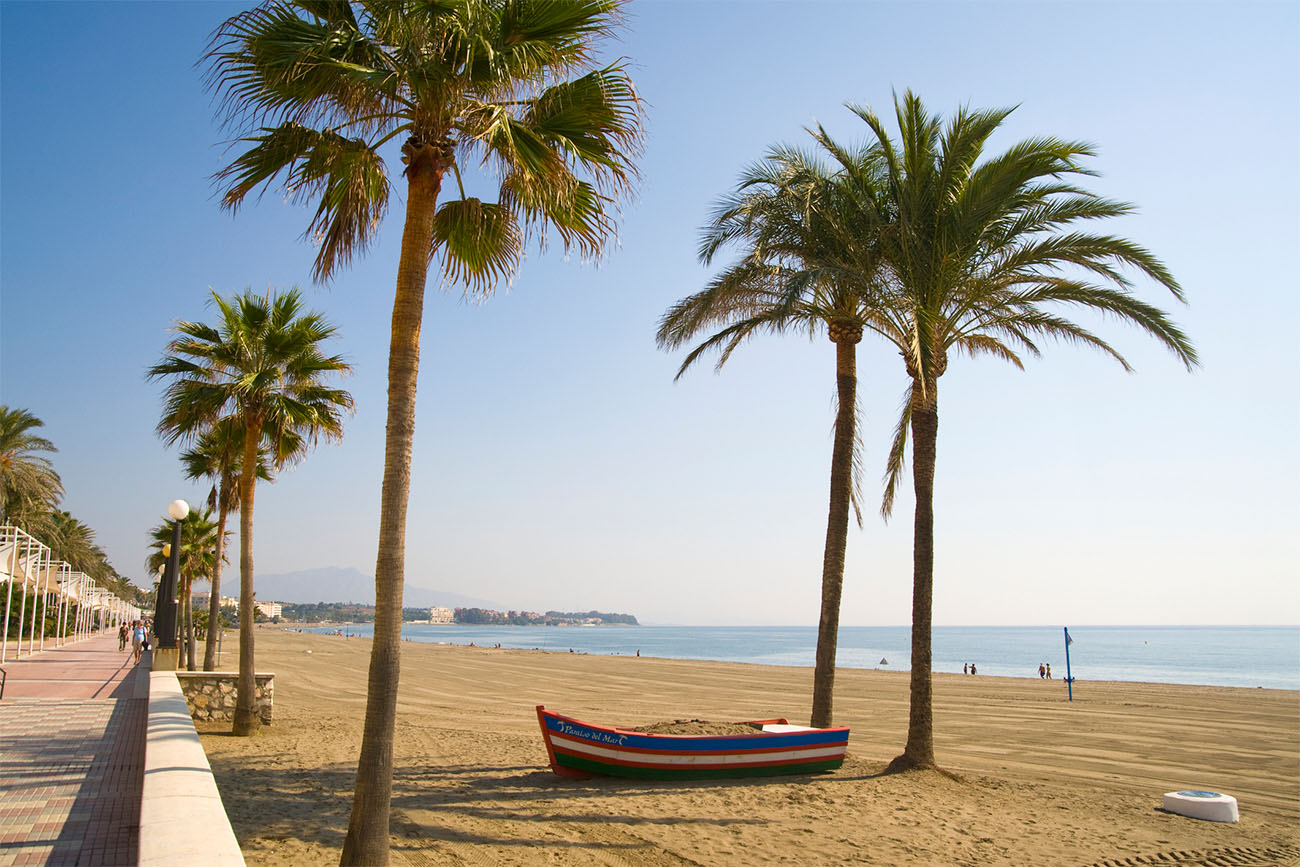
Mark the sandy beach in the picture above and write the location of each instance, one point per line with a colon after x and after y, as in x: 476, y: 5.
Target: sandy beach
x: 1034, y: 779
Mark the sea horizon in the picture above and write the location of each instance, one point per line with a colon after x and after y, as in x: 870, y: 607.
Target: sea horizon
x: 1203, y: 655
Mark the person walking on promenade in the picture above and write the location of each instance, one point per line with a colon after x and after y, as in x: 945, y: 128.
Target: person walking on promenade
x: 137, y: 639
x: 121, y: 637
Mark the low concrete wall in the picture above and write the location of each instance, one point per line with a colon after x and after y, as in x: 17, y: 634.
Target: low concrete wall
x: 182, y: 819
x: 211, y: 695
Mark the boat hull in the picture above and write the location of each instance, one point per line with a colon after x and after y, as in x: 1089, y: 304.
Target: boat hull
x: 579, y: 749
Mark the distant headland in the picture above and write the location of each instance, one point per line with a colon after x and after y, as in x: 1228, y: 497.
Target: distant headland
x: 340, y: 612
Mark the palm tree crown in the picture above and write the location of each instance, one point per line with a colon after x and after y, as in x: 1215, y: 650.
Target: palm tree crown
x: 262, y: 363
x: 29, y: 486
x: 988, y: 255
x: 317, y: 88
x: 198, y: 546
x: 809, y: 259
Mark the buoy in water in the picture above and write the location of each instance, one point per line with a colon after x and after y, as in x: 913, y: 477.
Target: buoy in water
x: 1211, y: 806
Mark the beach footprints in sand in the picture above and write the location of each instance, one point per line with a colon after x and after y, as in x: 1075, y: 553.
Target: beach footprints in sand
x: 1228, y: 857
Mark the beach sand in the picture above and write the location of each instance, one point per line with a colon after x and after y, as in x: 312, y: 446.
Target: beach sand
x: 1035, y: 780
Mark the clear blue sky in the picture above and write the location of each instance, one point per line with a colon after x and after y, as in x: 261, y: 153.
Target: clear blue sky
x: 556, y: 463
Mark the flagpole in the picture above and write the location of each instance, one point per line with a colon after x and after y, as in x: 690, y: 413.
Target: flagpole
x: 1069, y: 681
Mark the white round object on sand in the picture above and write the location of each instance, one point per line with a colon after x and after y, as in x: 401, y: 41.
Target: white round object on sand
x: 1214, y: 806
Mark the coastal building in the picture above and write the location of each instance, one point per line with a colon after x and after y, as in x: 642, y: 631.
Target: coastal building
x: 200, y: 600
x: 441, y: 615
x: 269, y: 609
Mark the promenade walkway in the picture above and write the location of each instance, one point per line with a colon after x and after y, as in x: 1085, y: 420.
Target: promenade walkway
x: 72, y: 735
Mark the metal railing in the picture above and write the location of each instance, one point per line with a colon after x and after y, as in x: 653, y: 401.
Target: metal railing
x: 27, y: 563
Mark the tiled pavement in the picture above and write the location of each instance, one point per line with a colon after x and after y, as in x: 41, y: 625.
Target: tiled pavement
x: 72, y: 724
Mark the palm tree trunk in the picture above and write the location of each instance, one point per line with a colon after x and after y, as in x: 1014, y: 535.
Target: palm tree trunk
x: 368, y: 828
x: 246, y: 719
x: 189, y: 625
x: 919, y: 752
x: 214, y: 600
x: 837, y: 532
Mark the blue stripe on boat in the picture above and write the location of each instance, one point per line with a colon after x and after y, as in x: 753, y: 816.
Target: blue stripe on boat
x: 729, y: 743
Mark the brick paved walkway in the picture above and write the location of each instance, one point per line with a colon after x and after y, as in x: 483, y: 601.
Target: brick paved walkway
x: 72, y: 724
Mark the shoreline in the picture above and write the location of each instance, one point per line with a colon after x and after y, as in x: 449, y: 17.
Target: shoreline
x: 1036, y: 779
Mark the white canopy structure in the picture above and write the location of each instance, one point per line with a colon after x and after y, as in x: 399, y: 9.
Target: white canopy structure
x: 28, y: 567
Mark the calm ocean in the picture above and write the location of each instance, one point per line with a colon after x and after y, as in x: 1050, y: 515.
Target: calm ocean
x: 1250, y: 656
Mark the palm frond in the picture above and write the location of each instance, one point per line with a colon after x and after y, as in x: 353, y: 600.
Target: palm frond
x: 480, y: 241
x: 261, y: 365
x: 895, y: 463
x: 271, y: 63
x: 344, y: 175
x: 596, y: 120
x: 537, y: 35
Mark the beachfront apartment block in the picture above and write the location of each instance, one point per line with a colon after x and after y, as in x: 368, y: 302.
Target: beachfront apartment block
x: 269, y: 609
x: 441, y: 615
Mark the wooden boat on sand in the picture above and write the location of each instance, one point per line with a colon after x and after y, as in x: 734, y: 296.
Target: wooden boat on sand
x: 579, y: 750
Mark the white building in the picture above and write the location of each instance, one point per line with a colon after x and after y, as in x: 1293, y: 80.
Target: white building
x: 269, y: 609
x: 441, y: 615
x: 200, y: 600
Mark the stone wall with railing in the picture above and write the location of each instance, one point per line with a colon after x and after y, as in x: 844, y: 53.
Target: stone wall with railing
x: 211, y: 695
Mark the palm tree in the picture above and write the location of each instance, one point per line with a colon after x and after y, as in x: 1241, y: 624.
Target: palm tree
x: 263, y: 363
x: 809, y: 264
x: 201, y: 545
x: 28, y: 483
x: 317, y: 89
x: 74, y: 542
x: 217, y: 455
x: 987, y: 257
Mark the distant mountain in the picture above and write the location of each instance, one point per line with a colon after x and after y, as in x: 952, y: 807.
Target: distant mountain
x: 335, y: 584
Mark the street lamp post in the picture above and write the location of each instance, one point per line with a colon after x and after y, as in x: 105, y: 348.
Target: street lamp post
x: 166, y: 655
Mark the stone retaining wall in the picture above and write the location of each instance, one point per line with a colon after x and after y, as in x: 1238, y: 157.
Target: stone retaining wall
x: 211, y: 695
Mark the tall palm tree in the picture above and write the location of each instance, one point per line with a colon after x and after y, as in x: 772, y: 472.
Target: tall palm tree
x: 809, y: 264
x: 217, y: 454
x: 262, y: 362
x: 987, y: 257
x: 28, y: 483
x: 201, y: 544
x: 317, y: 89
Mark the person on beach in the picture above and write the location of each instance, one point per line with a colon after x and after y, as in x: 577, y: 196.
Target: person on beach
x: 965, y: 668
x: 121, y: 637
x: 972, y: 668
x: 1040, y: 671
x: 1049, y: 671
x: 137, y: 640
